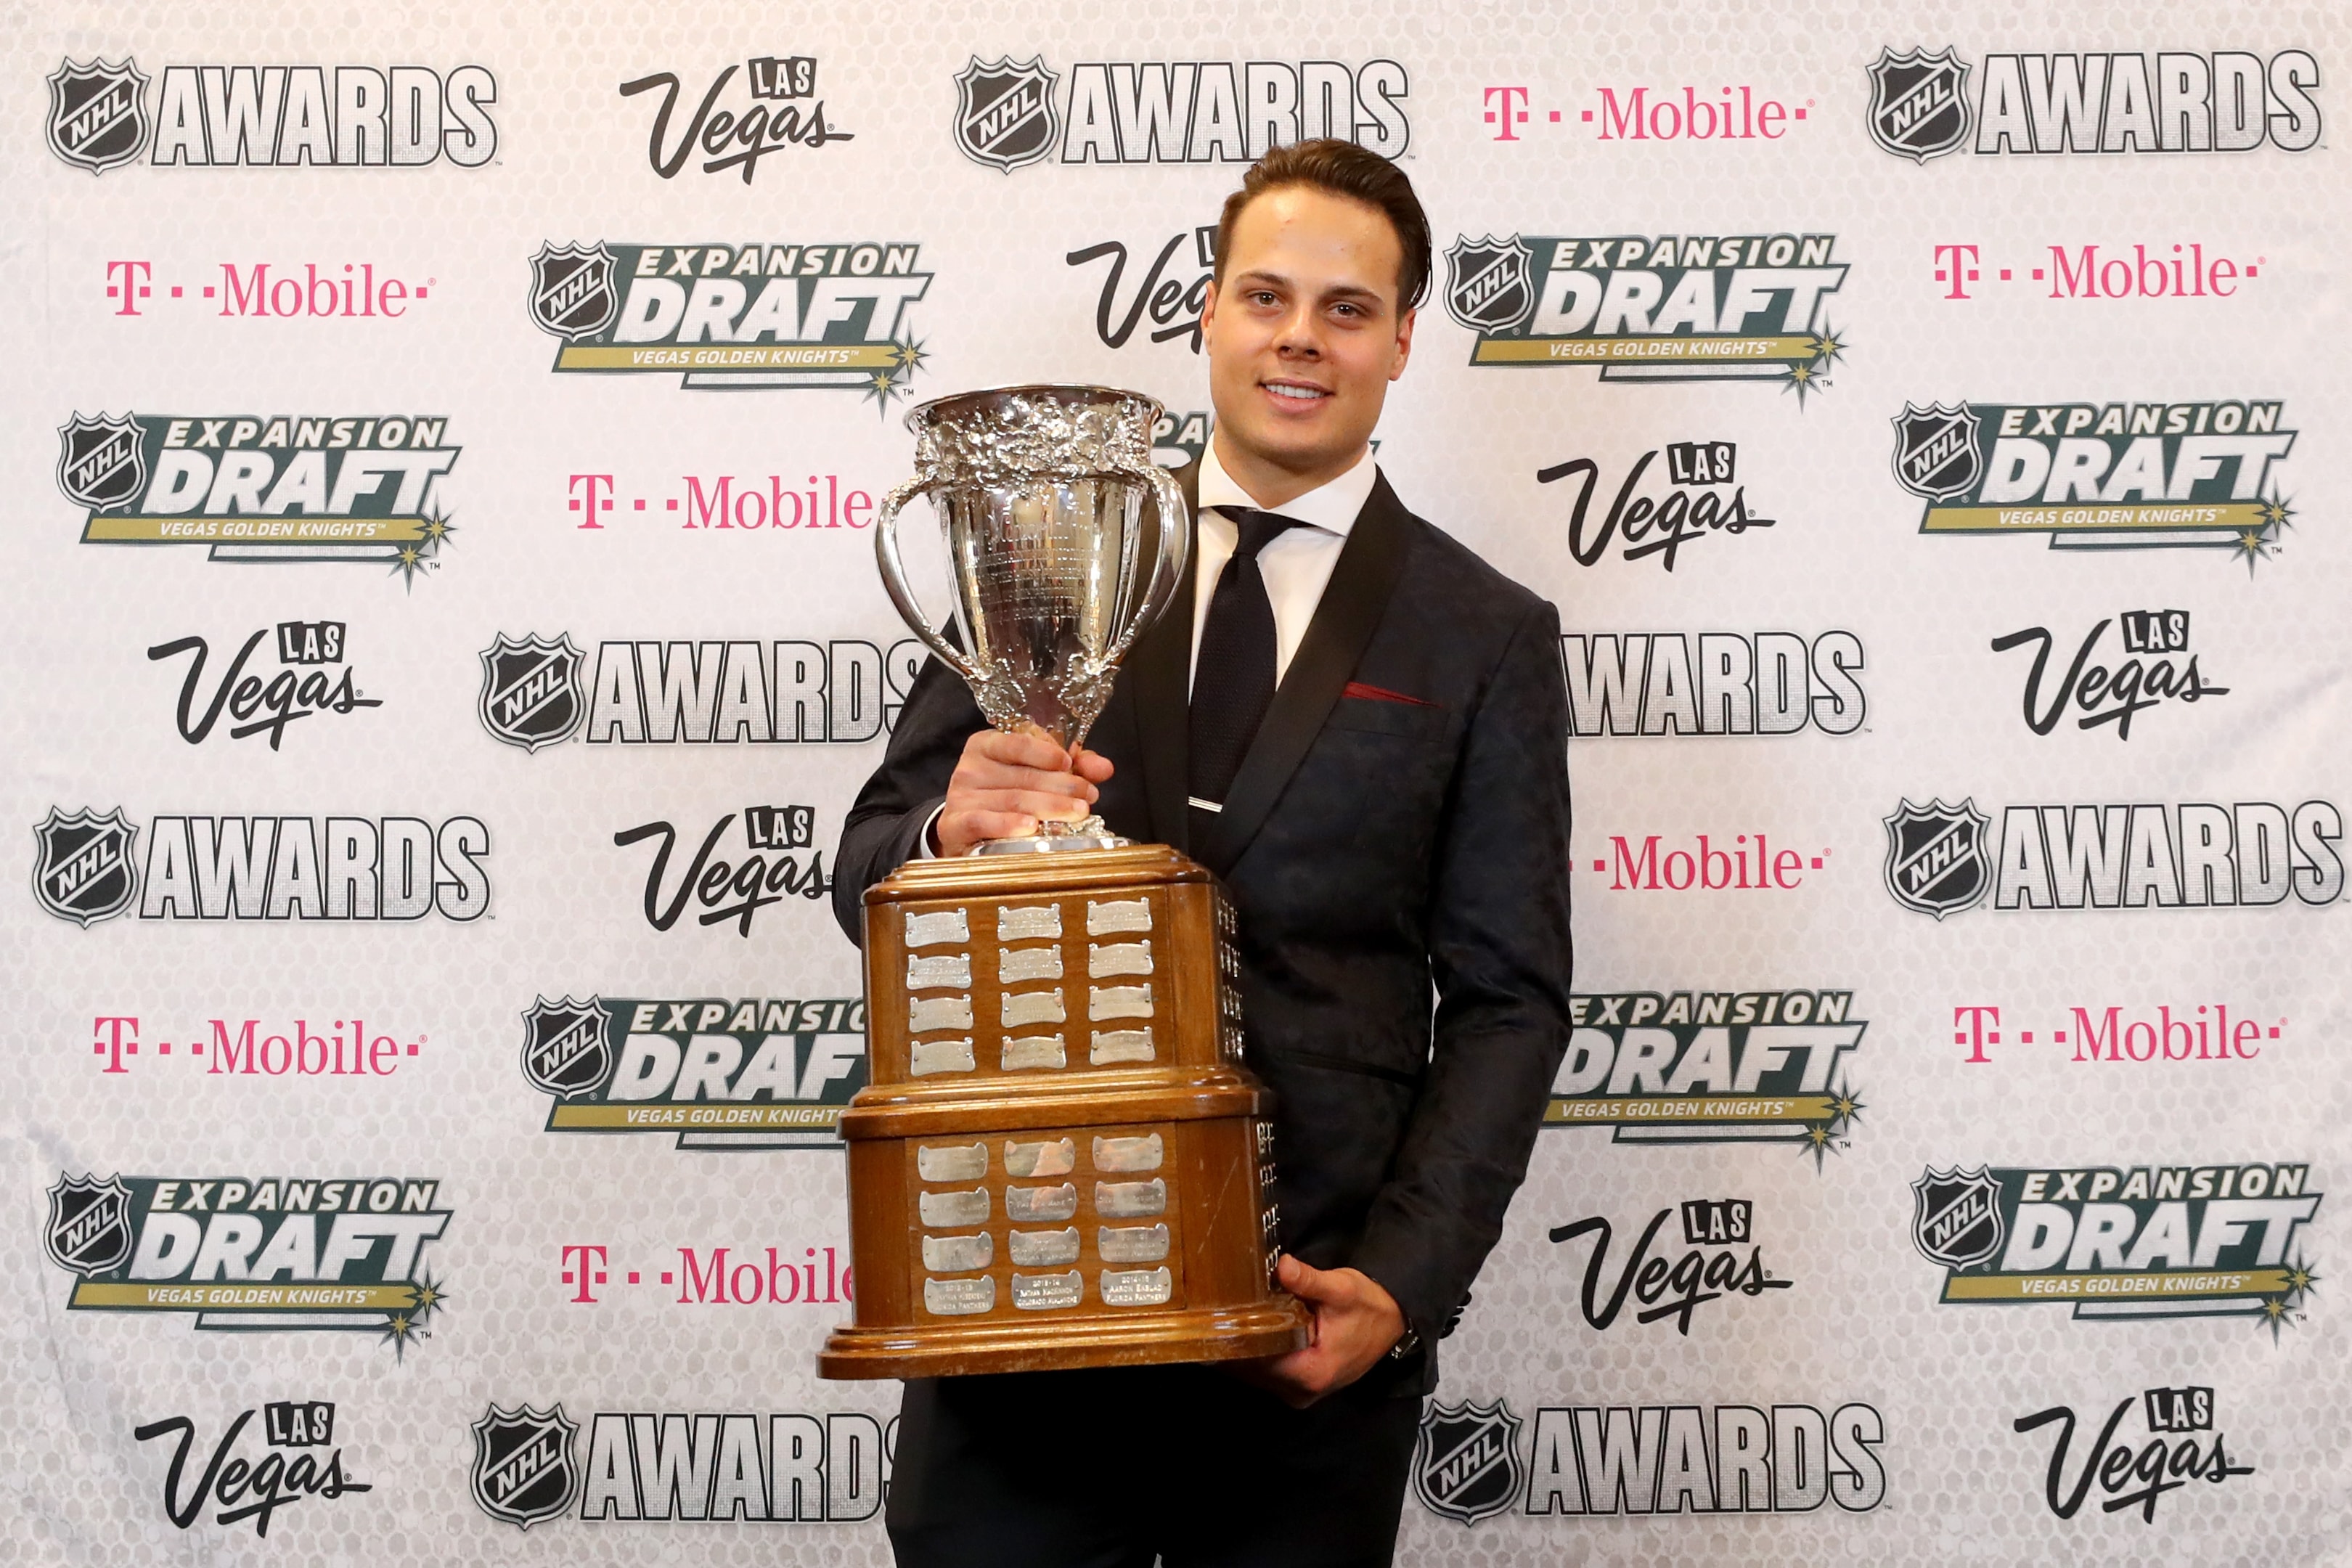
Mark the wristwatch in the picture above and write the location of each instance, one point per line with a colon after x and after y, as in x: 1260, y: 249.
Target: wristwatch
x: 1406, y: 1346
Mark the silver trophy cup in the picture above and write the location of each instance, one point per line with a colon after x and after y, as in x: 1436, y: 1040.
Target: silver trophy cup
x: 1040, y: 494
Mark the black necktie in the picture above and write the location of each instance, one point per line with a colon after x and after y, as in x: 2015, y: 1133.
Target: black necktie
x: 1232, y: 676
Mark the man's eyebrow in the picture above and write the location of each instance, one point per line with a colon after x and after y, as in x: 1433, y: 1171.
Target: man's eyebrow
x: 1335, y: 292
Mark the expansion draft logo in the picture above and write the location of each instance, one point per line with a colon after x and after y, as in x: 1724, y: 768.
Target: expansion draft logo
x: 1685, y: 1460
x: 2141, y: 475
x: 275, y: 1253
x: 1661, y: 308
x: 223, y: 116
x: 1011, y: 113
x: 1711, y: 1066
x: 2139, y: 855
x: 2163, y: 1241
x: 721, y: 1074
x: 257, y: 488
x: 720, y: 1465
x: 1924, y: 105
x: 831, y: 315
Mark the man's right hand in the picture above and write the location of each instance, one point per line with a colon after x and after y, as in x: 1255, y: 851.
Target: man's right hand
x: 1005, y: 785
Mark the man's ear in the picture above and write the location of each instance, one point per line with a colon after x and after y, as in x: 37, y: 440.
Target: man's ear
x: 1209, y: 305
x: 1403, y: 341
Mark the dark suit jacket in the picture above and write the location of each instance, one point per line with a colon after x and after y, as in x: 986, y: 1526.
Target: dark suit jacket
x: 1400, y: 823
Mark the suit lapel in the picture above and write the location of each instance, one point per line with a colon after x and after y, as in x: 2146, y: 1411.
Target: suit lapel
x: 1160, y: 669
x: 1370, y: 565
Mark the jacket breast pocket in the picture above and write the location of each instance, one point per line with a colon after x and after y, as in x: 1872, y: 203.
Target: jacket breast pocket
x: 1372, y: 716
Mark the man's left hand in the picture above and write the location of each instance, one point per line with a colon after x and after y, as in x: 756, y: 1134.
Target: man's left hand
x: 1356, y: 1321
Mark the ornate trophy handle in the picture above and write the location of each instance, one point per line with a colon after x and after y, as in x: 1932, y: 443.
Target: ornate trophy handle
x: 1168, y: 561
x: 894, y: 577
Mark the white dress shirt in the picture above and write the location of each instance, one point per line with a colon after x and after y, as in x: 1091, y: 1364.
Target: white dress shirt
x: 1296, y: 564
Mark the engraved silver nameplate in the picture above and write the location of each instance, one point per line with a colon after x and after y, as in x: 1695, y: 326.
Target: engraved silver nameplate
x: 1117, y: 915
x: 928, y: 1013
x: 1026, y: 1205
x: 949, y: 971
x: 957, y: 1254
x: 1023, y: 922
x: 1118, y: 958
x: 959, y: 1298
x: 952, y: 1161
x: 955, y: 1211
x: 1114, y: 1046
x: 1136, y: 1286
x: 1128, y: 1244
x: 1057, y: 1157
x: 1042, y: 1292
x: 1128, y: 1153
x: 1020, y: 1008
x: 1117, y: 1002
x: 1122, y: 1200
x: 1018, y: 963
x: 1032, y: 1051
x: 931, y: 930
x: 927, y: 1057
x: 1045, y: 1249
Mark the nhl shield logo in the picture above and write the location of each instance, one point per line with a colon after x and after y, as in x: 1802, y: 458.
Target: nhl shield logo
x: 1466, y: 1465
x: 1489, y: 288
x: 1919, y: 104
x: 1005, y: 114
x: 1956, y: 1217
x: 82, y: 870
x: 97, y: 113
x: 571, y: 293
x: 564, y: 1050
x: 523, y: 1470
x: 101, y: 462
x: 1936, y: 860
x: 1936, y: 449
x: 532, y: 695
x: 90, y: 1225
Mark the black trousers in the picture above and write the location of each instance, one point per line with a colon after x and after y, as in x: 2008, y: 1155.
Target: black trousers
x: 1115, y: 1468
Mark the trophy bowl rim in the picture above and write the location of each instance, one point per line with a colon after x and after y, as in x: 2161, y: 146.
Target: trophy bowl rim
x: 1073, y: 393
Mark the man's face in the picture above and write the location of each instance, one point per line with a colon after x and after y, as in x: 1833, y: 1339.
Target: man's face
x: 1303, y: 333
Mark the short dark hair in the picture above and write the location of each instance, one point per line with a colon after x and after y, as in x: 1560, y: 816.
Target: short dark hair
x: 1342, y: 169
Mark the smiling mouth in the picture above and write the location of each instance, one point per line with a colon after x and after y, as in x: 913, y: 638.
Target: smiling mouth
x: 1294, y: 392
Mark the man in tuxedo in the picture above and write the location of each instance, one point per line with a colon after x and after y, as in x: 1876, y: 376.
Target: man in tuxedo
x: 1361, y: 726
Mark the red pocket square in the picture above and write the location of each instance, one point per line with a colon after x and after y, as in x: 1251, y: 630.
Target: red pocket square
x: 1383, y: 694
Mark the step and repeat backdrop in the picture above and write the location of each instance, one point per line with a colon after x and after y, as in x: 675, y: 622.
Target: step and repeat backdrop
x: 443, y: 448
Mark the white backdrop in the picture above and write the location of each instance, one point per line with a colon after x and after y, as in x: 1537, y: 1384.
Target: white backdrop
x: 414, y: 883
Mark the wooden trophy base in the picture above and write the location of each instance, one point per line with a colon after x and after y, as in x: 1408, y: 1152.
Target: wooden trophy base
x: 1059, y: 1161
x: 1242, y: 1333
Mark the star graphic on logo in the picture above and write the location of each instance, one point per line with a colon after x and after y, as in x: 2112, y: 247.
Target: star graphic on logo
x: 2261, y: 542
x: 1845, y: 1108
x: 400, y: 1328
x: 411, y: 559
x: 1826, y: 347
x: 2300, y: 1279
x: 905, y: 355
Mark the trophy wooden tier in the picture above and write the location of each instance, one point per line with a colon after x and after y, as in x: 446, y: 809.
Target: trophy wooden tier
x: 1059, y: 1160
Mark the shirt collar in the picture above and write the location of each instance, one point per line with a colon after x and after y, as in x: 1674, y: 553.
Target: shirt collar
x: 1331, y: 507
